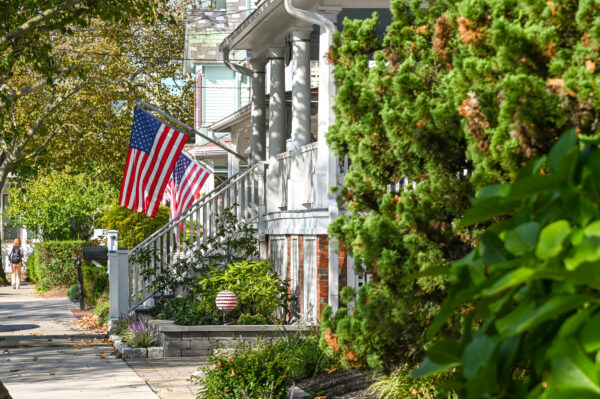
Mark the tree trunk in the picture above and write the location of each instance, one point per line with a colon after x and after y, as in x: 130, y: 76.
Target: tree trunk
x: 4, y: 392
x: 3, y: 279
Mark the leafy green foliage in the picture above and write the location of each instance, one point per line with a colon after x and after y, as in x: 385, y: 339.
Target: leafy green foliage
x: 257, y: 287
x: 530, y: 329
x: 248, y: 319
x: 133, y: 227
x: 400, y: 385
x: 31, y: 263
x: 259, y: 291
x: 262, y: 370
x: 232, y: 242
x: 95, y: 284
x: 70, y: 71
x: 136, y: 332
x: 60, y: 206
x: 102, y: 310
x: 54, y: 267
x: 73, y: 292
x: 188, y: 311
x: 461, y: 94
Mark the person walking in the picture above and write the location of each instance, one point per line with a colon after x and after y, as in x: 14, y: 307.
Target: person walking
x: 16, y: 262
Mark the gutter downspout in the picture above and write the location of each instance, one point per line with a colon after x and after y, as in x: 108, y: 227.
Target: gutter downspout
x: 310, y: 17
x: 325, y: 174
x: 235, y: 67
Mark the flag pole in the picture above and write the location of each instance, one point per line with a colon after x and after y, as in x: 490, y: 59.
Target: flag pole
x: 189, y: 130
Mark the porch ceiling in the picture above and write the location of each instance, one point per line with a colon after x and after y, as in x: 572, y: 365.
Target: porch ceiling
x: 270, y: 22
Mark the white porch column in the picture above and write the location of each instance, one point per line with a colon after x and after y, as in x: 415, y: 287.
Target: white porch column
x: 326, y: 169
x: 233, y: 163
x: 301, y: 134
x: 277, y: 126
x: 118, y: 281
x: 258, y: 136
x: 301, y: 87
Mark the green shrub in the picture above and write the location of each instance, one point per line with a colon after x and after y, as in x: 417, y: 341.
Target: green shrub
x: 257, y: 287
x: 457, y: 95
x: 234, y: 241
x: 529, y: 292
x: 54, y: 267
x: 136, y: 333
x: 95, y: 282
x: 400, y: 385
x: 31, y: 268
x: 188, y: 311
x: 264, y: 369
x: 73, y: 293
x: 259, y: 291
x: 133, y: 227
x: 59, y: 205
x: 102, y: 310
x: 249, y: 319
x: 120, y: 326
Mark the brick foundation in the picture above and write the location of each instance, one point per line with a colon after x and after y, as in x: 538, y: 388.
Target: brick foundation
x: 322, y: 265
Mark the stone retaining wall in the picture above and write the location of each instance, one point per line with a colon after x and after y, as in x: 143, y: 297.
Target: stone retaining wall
x: 183, y: 341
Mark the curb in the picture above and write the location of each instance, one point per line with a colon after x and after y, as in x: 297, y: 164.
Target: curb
x: 128, y: 352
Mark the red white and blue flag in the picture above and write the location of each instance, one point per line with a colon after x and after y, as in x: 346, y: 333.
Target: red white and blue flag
x: 154, y: 149
x: 185, y: 184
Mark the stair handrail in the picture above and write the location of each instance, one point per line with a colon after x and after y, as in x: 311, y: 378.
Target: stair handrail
x: 215, y: 192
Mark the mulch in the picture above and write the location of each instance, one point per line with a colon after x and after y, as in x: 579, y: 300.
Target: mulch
x: 341, y: 384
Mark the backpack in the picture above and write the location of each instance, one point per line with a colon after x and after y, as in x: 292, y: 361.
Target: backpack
x: 15, y: 255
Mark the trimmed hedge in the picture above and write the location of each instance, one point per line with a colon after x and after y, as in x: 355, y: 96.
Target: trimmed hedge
x: 31, y: 268
x: 95, y: 282
x: 53, y: 264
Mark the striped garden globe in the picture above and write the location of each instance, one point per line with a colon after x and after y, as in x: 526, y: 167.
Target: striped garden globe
x: 226, y: 301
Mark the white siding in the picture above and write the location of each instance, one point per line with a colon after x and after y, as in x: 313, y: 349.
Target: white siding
x: 278, y: 256
x: 294, y: 266
x: 219, y: 93
x: 309, y: 307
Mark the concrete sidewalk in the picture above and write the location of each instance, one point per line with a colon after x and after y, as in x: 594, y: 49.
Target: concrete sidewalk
x: 42, y: 356
x: 168, y: 376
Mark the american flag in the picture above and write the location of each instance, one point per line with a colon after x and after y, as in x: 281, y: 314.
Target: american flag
x: 153, y: 152
x: 185, y: 183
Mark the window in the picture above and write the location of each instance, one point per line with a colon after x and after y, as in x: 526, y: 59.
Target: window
x: 219, y: 4
x: 11, y: 231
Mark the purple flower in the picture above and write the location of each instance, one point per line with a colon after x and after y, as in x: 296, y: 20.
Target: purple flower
x: 137, y: 325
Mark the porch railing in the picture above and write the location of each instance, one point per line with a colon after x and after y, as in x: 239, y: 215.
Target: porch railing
x: 283, y: 166
x: 196, y: 225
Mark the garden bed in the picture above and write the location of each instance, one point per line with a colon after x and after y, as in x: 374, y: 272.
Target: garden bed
x: 191, y: 341
x: 128, y: 352
x: 185, y: 341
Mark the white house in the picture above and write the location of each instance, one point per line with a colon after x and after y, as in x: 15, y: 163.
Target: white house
x: 285, y: 190
x: 291, y: 110
x: 218, y: 91
x: 9, y: 230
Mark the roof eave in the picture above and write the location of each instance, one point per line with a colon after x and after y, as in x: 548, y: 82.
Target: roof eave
x: 246, y: 25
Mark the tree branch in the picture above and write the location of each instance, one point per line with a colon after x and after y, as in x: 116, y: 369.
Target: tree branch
x: 39, y: 19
